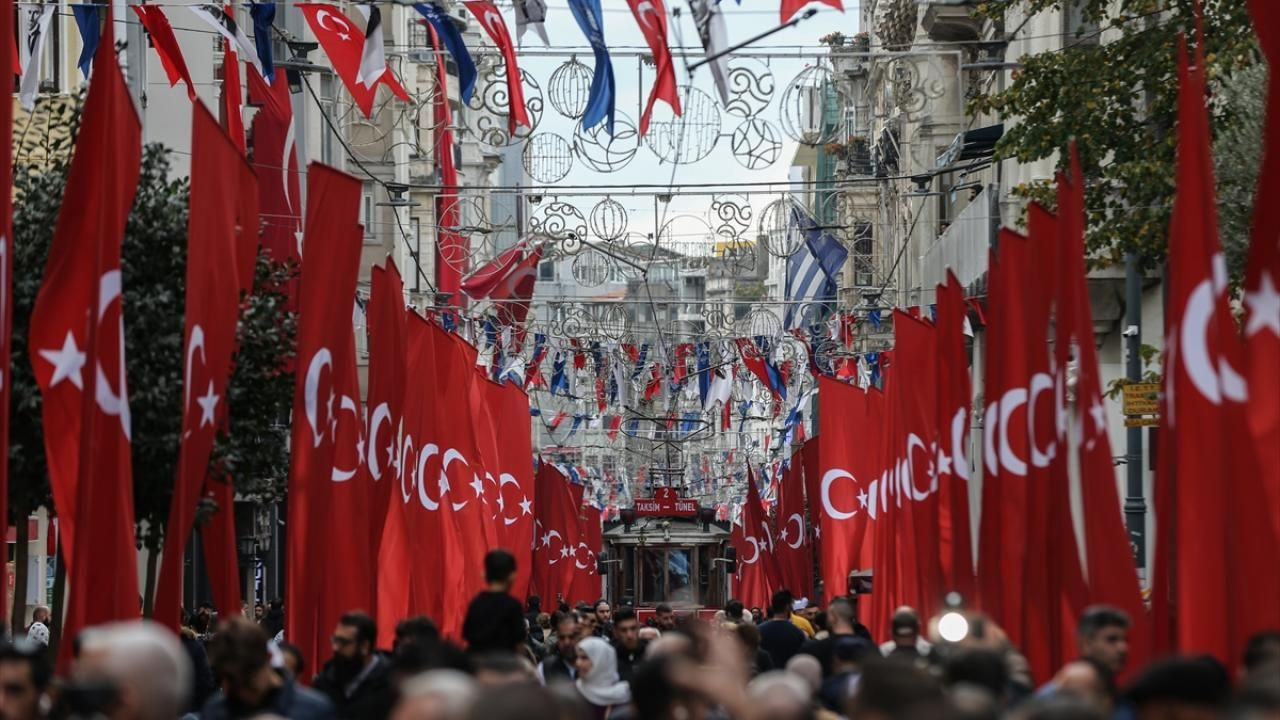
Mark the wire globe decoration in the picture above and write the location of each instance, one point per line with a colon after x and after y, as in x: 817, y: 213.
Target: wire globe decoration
x: 807, y: 101
x: 608, y: 220
x: 781, y: 238
x: 569, y: 88
x: 605, y: 153
x: 547, y: 157
x: 691, y: 136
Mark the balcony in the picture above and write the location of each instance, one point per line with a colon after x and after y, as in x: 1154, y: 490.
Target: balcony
x: 963, y: 246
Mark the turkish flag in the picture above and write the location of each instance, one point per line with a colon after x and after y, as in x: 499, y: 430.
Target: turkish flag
x: 213, y: 308
x: 221, y: 550
x: 8, y: 68
x: 810, y: 458
x: 275, y: 160
x: 795, y: 554
x: 491, y: 20
x: 749, y: 583
x: 324, y: 331
x: 507, y: 412
x: 1112, y: 574
x: 451, y: 246
x: 557, y: 534
x: 344, y: 42
x: 232, y: 95
x: 1213, y: 531
x: 756, y: 522
x: 791, y: 7
x: 586, y: 580
x: 78, y: 323
x: 955, y: 536
x: 1262, y: 279
x: 422, y: 555
x: 511, y: 297
x: 165, y: 42
x: 850, y: 463
x: 651, y: 16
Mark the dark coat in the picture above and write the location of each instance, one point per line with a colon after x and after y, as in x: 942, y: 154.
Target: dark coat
x: 372, y: 699
x: 292, y: 701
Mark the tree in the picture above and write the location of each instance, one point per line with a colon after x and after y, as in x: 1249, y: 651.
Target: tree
x: 1118, y: 97
x: 154, y: 265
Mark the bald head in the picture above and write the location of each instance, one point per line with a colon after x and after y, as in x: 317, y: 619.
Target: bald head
x: 780, y: 695
x: 144, y: 661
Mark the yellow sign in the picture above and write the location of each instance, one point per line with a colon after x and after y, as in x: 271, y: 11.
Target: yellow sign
x: 1142, y: 399
x: 1141, y: 421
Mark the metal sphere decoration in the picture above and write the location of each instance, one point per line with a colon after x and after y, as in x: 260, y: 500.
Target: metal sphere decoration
x: 591, y: 268
x: 609, y: 220
x: 487, y: 118
x: 807, y: 101
x: 730, y: 215
x: 570, y: 88
x: 760, y: 322
x: 691, y: 136
x: 548, y: 158
x: 613, y: 321
x: 602, y: 152
x: 689, y: 237
x: 756, y: 144
x: 776, y: 228
x: 561, y: 222
x: 750, y: 87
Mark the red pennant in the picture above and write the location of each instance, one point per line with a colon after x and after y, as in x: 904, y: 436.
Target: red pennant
x: 275, y: 160
x: 343, y: 42
x: 791, y: 7
x: 491, y: 20
x: 232, y: 96
x: 451, y: 250
x: 651, y: 15
x: 165, y: 42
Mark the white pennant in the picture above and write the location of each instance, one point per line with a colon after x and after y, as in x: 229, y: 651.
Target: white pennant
x: 36, y: 19
x: 531, y: 14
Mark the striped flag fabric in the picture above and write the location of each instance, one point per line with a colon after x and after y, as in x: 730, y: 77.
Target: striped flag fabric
x: 811, y: 270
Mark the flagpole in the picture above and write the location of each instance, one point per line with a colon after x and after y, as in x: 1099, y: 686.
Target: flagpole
x: 712, y: 58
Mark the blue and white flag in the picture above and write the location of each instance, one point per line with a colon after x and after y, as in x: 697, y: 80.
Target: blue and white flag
x: 89, y: 20
x: 264, y: 14
x: 811, y: 270
x: 452, y: 39
x: 600, y: 101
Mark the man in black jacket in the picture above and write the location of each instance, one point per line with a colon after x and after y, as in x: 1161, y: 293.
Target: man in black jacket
x: 841, y: 622
x: 627, y: 642
x: 357, y: 678
x: 558, y: 665
x: 249, y: 686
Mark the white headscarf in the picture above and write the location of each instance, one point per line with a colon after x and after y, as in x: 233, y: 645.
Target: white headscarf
x: 601, y: 686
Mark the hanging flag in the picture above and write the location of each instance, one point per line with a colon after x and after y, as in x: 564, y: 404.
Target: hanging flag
x: 221, y: 548
x: 224, y: 22
x: 812, y: 271
x: 89, y: 21
x: 232, y: 97
x: 157, y: 26
x: 489, y: 276
x: 844, y: 473
x: 651, y: 15
x: 487, y: 13
x: 35, y: 33
x: 531, y: 14
x: 77, y: 322
x: 387, y: 353
x: 756, y: 522
x: 212, y: 310
x: 324, y: 330
x: 449, y: 34
x: 795, y: 554
x: 709, y: 20
x: 344, y: 44
x: 373, y: 57
x: 8, y: 68
x: 275, y: 161
x: 791, y: 7
x: 263, y: 15
x: 954, y: 400
x: 557, y: 533
x: 600, y: 100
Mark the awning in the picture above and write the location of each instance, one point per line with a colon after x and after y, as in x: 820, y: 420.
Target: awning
x: 972, y: 145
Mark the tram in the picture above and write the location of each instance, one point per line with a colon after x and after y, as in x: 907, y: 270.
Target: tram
x: 667, y: 550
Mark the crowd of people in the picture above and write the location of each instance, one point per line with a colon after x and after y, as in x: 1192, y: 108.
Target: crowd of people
x: 792, y: 661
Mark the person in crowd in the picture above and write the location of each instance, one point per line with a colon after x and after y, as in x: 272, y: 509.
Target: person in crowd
x: 533, y: 609
x: 604, y: 619
x: 895, y: 690
x: 1103, y: 634
x: 418, y: 628
x: 291, y: 659
x: 664, y: 618
x: 758, y: 661
x: 132, y: 670
x: 1258, y: 697
x: 437, y: 695
x: 807, y: 668
x: 38, y: 630
x: 841, y: 622
x: 534, y: 646
x: 259, y: 612
x: 501, y: 669
x: 907, y: 639
x: 648, y: 634
x: 1179, y: 688
x: 780, y: 695
x: 779, y: 636
x: 597, y: 678
x: 1089, y: 681
x: 981, y: 668
x: 848, y: 655
x: 627, y: 642
x: 25, y: 675
x: 558, y: 665
x: 1262, y: 654
x: 248, y: 686
x: 813, y: 613
x: 587, y: 623
x: 357, y: 679
x: 734, y: 612
x: 525, y: 701
x: 273, y: 620
x: 798, y: 619
x: 202, y: 685
x: 757, y: 615
x: 494, y: 619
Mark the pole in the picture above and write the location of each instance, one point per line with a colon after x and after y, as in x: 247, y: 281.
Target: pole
x: 1135, y: 508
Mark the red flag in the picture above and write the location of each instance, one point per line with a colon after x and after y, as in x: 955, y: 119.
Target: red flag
x: 343, y: 42
x: 512, y: 295
x: 556, y: 534
x: 791, y: 7
x: 275, y: 160
x: 846, y: 477
x: 157, y: 25
x: 6, y: 266
x: 327, y: 292
x: 212, y: 310
x: 615, y: 422
x: 487, y: 13
x: 795, y: 556
x: 1213, y: 532
x: 221, y: 551
x: 954, y: 400
x: 422, y: 556
x: 651, y: 15
x: 232, y: 96
x: 756, y: 523
x: 586, y: 580
x: 488, y: 277
x: 451, y: 246
x: 512, y: 507
x: 1262, y: 279
x: 749, y: 584
x: 78, y: 321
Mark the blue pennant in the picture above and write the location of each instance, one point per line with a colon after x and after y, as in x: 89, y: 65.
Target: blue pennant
x: 703, y: 350
x: 452, y: 39
x: 600, y: 102
x: 264, y: 14
x: 89, y: 20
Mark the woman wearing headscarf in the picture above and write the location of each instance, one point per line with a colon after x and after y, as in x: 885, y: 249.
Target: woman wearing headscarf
x: 598, y: 681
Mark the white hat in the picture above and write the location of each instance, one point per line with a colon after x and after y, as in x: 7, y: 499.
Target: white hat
x: 800, y: 604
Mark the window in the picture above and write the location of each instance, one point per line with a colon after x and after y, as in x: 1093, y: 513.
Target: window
x: 328, y: 106
x: 547, y: 271
x: 366, y: 219
x: 415, y: 236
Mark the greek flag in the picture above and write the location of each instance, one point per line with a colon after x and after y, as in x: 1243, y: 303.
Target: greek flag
x: 811, y: 270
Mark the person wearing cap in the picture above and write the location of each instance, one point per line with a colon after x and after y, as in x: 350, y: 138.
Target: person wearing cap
x: 906, y: 635
x: 848, y: 654
x: 799, y: 620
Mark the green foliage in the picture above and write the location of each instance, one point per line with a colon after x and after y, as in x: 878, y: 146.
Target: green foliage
x: 1119, y: 99
x: 154, y: 267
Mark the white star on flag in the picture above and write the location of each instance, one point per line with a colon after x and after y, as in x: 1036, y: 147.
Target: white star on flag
x: 1264, y: 307
x: 477, y: 485
x: 526, y: 507
x: 67, y: 362
x: 208, y: 406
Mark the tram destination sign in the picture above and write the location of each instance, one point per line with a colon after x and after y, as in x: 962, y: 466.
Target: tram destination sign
x: 665, y: 502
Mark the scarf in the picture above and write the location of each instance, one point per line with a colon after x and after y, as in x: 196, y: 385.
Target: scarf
x: 601, y: 686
